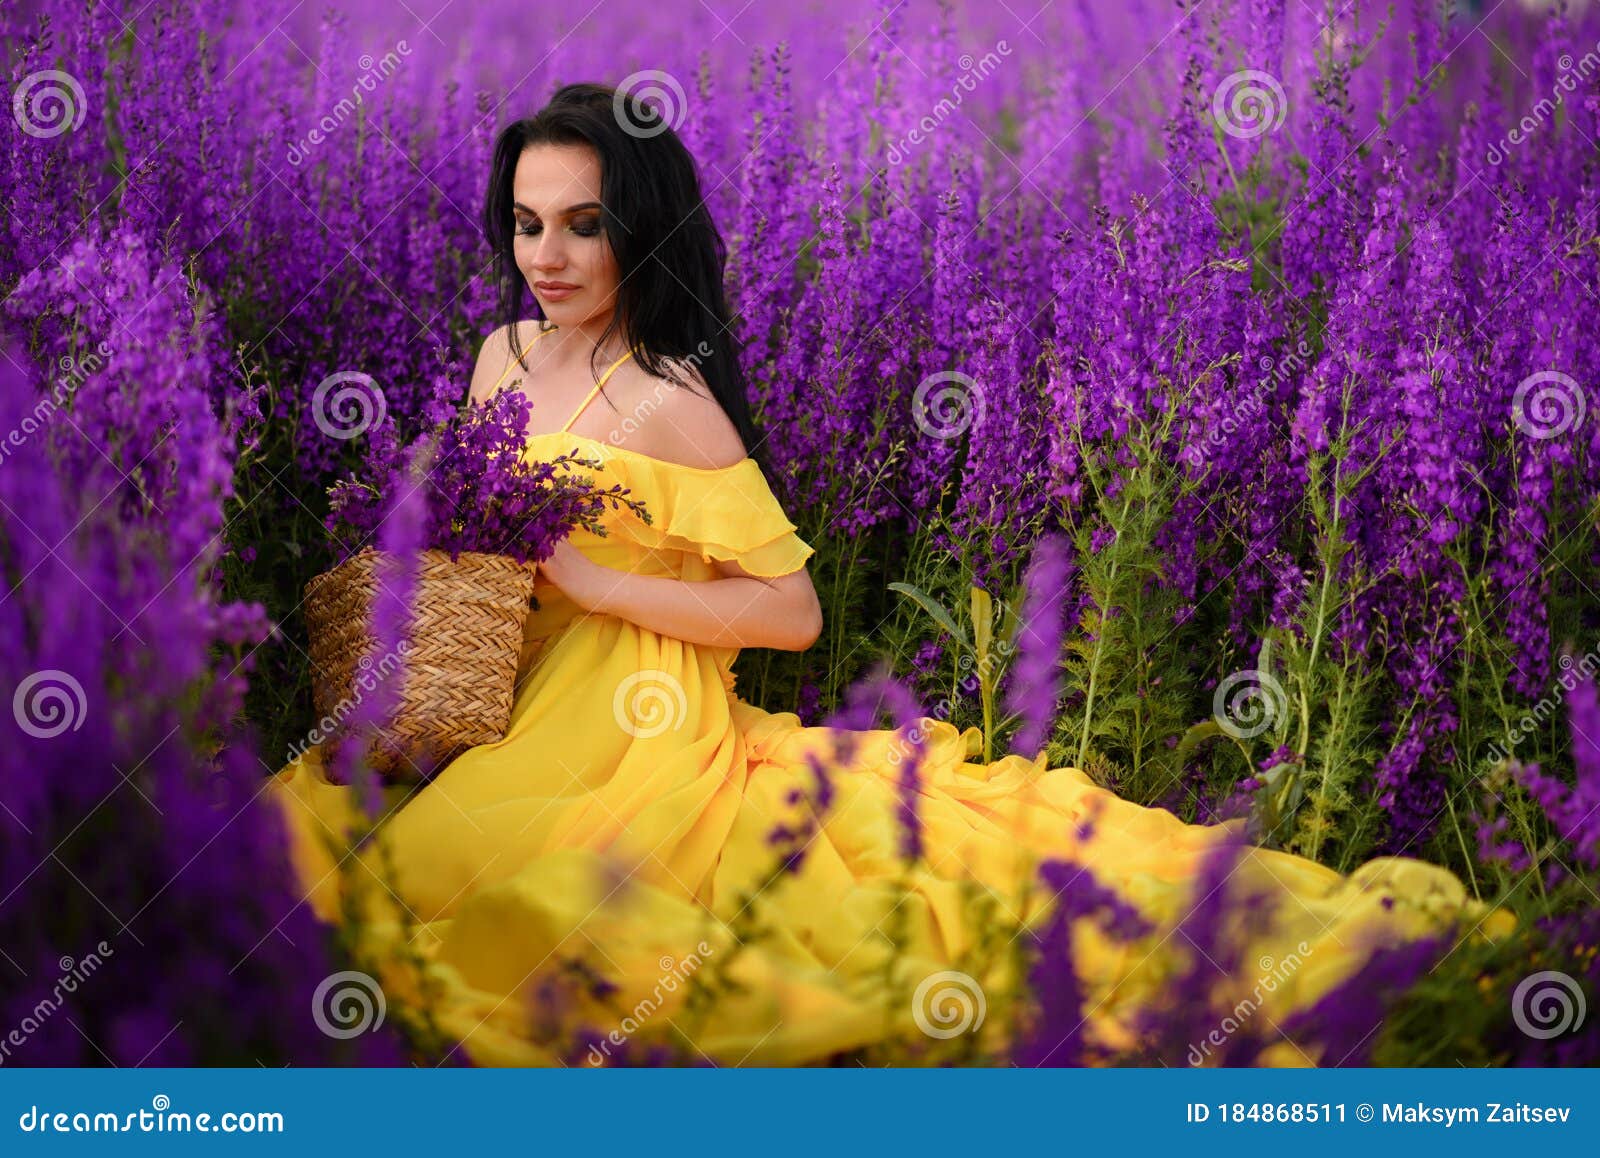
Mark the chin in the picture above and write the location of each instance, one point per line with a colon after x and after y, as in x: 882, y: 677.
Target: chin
x: 570, y: 311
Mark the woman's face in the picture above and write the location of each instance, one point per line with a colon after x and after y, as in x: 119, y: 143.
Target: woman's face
x: 556, y: 214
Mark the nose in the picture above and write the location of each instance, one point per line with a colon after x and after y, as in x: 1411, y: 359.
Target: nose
x: 547, y: 252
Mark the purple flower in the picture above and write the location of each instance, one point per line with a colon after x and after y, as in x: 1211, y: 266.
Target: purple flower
x: 1574, y: 809
x: 480, y: 494
x: 1055, y: 1036
x: 1343, y: 1024
x: 1036, y: 677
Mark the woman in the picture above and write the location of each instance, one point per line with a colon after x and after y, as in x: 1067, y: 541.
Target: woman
x: 641, y: 828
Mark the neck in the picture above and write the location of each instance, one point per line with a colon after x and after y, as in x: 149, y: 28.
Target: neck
x: 578, y: 342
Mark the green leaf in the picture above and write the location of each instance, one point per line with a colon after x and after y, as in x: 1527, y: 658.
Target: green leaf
x: 982, y: 620
x: 927, y: 603
x: 1276, y: 801
x: 1010, y: 628
x: 1197, y: 734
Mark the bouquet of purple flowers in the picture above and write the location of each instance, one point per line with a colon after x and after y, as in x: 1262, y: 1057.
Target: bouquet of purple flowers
x: 448, y: 637
x: 482, y: 494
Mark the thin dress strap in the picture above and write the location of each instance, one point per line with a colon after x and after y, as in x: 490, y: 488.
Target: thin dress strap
x: 514, y: 363
x: 590, y: 397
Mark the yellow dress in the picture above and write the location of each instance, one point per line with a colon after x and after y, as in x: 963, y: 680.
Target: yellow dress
x: 621, y: 827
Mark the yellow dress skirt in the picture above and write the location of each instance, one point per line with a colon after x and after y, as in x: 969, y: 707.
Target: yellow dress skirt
x: 610, y: 863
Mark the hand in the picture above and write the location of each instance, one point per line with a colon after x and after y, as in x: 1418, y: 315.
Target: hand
x: 570, y: 570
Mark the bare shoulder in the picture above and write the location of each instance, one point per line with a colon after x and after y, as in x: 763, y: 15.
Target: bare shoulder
x: 497, y: 356
x: 680, y: 422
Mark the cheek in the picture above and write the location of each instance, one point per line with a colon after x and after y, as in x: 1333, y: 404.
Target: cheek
x: 601, y: 263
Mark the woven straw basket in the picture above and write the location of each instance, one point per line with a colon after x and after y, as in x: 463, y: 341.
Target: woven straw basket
x: 460, y: 664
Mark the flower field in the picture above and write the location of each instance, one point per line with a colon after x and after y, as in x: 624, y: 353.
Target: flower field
x: 1205, y: 393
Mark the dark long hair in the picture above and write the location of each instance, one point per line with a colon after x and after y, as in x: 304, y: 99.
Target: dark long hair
x: 670, y: 256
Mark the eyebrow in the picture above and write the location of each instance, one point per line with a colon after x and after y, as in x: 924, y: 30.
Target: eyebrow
x: 567, y: 212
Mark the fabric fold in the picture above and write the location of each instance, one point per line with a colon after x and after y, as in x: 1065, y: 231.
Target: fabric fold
x: 721, y: 514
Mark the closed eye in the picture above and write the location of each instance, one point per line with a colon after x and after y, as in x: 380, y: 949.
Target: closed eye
x: 583, y: 229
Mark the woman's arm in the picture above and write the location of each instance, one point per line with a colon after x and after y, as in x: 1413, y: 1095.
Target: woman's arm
x: 739, y: 610
x: 689, y: 427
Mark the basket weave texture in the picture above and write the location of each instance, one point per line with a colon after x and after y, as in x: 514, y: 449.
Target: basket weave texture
x: 457, y: 667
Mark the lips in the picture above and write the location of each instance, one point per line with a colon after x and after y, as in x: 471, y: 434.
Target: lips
x: 554, y: 286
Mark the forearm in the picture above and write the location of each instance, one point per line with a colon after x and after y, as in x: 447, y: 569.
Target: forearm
x: 729, y: 612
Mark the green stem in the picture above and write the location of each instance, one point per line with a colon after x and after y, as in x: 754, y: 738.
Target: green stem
x: 1336, y: 723
x: 1466, y: 856
x: 1099, y: 653
x: 836, y: 627
x: 986, y: 685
